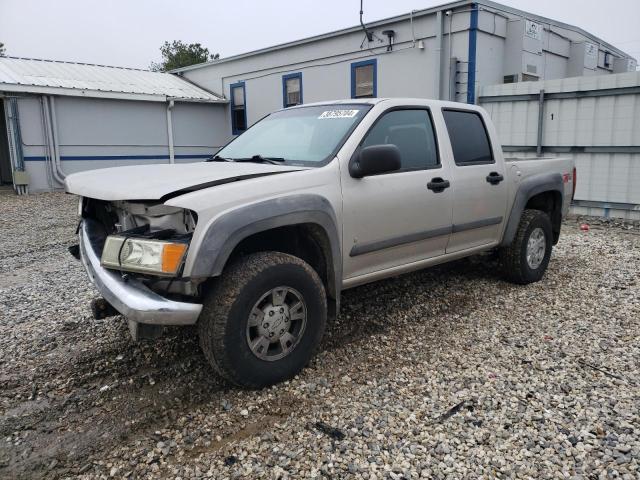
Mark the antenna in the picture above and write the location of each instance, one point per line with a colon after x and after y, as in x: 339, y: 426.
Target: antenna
x: 369, y: 35
x: 364, y: 27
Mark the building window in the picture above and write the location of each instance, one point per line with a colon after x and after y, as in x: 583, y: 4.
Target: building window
x: 292, y: 89
x: 364, y: 79
x: 238, y: 108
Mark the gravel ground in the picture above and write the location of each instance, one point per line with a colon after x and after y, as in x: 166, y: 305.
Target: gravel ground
x: 449, y: 372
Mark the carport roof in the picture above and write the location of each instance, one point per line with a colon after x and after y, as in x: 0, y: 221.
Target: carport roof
x: 49, y: 77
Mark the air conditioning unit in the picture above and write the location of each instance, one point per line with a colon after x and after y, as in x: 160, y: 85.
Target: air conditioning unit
x: 520, y: 77
x: 623, y: 65
x: 523, y: 54
x: 583, y: 59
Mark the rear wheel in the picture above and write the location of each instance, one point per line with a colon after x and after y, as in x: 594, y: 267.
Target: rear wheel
x: 264, y: 320
x: 527, y: 258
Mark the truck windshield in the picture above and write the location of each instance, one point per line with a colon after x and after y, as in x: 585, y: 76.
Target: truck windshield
x: 307, y: 136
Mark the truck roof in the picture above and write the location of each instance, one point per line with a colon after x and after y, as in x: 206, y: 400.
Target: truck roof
x: 395, y: 100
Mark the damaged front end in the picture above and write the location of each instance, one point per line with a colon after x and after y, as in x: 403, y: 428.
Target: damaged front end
x: 134, y: 252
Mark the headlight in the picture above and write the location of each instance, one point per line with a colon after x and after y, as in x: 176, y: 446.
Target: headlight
x: 143, y: 255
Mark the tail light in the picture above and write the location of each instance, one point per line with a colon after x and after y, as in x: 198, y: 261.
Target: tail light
x: 575, y: 182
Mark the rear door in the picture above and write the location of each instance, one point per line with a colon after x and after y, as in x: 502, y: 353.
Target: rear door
x: 394, y: 218
x: 480, y: 192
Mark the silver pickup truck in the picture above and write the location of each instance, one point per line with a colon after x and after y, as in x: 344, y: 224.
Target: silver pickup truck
x: 256, y: 244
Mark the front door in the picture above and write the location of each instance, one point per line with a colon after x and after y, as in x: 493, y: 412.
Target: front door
x: 480, y: 190
x: 394, y: 219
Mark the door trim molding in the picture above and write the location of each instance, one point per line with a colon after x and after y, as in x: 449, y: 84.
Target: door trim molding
x: 486, y: 222
x: 370, y: 247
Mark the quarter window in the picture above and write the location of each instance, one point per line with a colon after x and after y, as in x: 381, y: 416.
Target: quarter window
x: 238, y: 108
x: 469, y: 139
x: 412, y: 132
x: 292, y: 89
x: 364, y: 79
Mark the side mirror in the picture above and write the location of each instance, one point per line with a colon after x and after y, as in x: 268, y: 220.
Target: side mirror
x: 374, y: 160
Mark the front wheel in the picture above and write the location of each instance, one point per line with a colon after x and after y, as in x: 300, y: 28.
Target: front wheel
x: 264, y: 319
x: 527, y: 258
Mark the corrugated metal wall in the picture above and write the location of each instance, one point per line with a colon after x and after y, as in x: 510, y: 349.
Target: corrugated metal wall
x: 100, y: 133
x: 596, y: 120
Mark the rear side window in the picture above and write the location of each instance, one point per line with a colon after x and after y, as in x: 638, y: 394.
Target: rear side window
x: 469, y: 139
x: 412, y: 132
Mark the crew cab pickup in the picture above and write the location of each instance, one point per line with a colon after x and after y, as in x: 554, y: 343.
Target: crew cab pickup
x: 256, y: 244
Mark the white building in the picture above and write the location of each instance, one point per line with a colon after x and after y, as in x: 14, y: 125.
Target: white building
x: 447, y: 52
x: 62, y: 117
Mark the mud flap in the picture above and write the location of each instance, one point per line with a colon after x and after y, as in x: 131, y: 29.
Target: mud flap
x: 144, y: 331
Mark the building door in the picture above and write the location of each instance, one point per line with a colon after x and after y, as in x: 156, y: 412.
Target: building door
x: 5, y: 160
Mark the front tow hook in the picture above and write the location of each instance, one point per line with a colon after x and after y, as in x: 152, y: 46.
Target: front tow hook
x: 102, y: 309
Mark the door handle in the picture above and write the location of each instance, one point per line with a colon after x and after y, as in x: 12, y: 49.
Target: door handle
x: 494, y: 178
x: 438, y: 184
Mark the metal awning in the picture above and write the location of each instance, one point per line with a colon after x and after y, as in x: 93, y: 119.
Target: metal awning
x: 48, y: 77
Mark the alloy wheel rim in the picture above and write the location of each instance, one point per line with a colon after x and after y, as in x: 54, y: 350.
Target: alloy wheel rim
x: 536, y: 248
x: 276, y: 323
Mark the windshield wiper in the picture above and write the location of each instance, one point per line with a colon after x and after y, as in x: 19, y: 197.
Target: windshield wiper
x: 260, y: 159
x: 218, y: 158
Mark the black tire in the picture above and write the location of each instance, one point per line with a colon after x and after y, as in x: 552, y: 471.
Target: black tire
x: 223, y: 324
x: 513, y: 258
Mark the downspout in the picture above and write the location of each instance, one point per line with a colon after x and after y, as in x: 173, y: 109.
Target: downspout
x: 471, y: 65
x: 53, y: 149
x: 449, y: 13
x: 57, y: 165
x: 15, y: 143
x: 10, y: 138
x: 172, y: 157
x: 46, y: 142
x: 438, y: 51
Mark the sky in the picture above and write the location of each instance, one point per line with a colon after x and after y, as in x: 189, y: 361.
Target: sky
x: 129, y: 33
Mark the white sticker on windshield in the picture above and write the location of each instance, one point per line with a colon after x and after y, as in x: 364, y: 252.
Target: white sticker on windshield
x: 339, y: 114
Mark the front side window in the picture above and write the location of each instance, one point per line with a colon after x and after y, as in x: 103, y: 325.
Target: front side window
x: 364, y: 79
x: 306, y: 136
x: 469, y: 138
x: 412, y: 132
x: 238, y: 109
x: 292, y: 89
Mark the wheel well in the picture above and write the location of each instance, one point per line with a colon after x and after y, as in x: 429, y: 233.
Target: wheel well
x: 549, y: 202
x: 306, y: 241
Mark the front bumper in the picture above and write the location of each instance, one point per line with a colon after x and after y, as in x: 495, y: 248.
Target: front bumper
x: 132, y: 298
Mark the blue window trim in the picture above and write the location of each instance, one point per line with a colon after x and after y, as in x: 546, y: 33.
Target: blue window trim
x: 473, y: 40
x: 364, y: 63
x: 234, y: 130
x: 284, y: 87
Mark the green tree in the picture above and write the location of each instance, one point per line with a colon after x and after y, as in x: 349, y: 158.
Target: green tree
x: 2, y: 49
x: 178, y: 54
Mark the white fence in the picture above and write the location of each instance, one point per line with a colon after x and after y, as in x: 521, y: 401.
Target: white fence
x: 595, y: 119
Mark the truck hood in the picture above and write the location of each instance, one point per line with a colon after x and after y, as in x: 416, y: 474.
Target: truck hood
x: 153, y: 182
